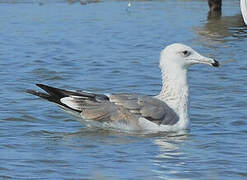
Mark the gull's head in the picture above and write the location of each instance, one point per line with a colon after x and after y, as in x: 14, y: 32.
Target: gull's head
x: 182, y: 56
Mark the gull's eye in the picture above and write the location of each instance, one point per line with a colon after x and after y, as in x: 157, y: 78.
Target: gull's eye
x: 186, y: 53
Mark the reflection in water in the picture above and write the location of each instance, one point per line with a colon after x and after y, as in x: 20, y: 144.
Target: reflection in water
x: 165, y: 141
x: 169, y: 152
x: 147, y: 153
x: 222, y: 29
x: 169, y: 146
x: 165, y: 147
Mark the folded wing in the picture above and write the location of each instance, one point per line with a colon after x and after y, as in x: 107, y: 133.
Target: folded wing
x: 148, y: 107
x: 123, y: 107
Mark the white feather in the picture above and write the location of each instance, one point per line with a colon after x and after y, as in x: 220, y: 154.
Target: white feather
x: 69, y: 101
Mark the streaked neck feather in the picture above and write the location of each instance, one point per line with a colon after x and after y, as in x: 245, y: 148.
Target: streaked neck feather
x: 175, y: 93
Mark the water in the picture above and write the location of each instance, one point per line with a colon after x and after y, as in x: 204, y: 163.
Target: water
x: 108, y: 47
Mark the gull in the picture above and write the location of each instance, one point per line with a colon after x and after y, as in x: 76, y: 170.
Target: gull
x: 243, y: 7
x: 167, y: 111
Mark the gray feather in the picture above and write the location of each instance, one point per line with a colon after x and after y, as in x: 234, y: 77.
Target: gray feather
x: 123, y: 107
x: 146, y: 106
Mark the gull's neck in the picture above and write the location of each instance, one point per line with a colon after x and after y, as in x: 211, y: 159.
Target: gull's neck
x: 175, y: 92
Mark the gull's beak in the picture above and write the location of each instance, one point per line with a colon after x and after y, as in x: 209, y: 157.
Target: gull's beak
x: 205, y: 60
x: 209, y: 61
x: 215, y: 63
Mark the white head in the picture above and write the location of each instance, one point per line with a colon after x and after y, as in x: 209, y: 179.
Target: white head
x: 179, y: 56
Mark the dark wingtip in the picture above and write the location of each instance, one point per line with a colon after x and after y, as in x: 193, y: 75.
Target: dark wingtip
x: 41, y: 85
x: 37, y: 93
x: 46, y: 88
x: 29, y: 91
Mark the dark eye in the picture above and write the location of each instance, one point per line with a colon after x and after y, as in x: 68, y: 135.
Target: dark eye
x: 186, y: 53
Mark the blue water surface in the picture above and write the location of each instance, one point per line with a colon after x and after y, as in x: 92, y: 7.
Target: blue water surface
x: 105, y: 47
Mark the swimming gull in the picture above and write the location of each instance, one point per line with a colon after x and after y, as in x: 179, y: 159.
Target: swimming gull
x: 167, y: 111
x: 243, y: 7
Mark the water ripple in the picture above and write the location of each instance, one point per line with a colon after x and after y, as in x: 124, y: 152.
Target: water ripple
x: 102, y: 47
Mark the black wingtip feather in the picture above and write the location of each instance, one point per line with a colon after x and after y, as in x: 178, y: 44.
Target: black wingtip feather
x: 58, y: 93
x: 42, y: 95
x: 37, y: 93
x: 50, y: 98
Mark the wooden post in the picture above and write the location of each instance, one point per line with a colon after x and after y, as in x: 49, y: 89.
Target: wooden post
x: 215, y: 5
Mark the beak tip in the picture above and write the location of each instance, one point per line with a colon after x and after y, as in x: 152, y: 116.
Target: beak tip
x: 216, y: 64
